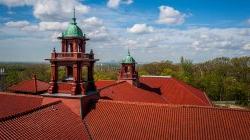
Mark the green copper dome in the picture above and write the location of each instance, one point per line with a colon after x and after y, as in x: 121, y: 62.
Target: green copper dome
x: 128, y: 59
x: 73, y: 30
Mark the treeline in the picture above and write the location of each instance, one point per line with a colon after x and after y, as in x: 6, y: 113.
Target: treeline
x: 16, y: 72
x: 221, y: 78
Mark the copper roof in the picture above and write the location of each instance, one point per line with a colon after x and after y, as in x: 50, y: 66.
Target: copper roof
x: 136, y: 120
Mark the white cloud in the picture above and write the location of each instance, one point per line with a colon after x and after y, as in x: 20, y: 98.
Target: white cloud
x: 42, y: 26
x: 246, y: 47
x: 163, y: 43
x: 94, y: 21
x: 58, y: 9
x: 94, y: 28
x: 116, y: 3
x: 17, y: 24
x: 55, y: 35
x: 168, y: 15
x: 98, y: 34
x: 30, y: 28
x: 12, y: 3
x: 140, y: 28
x: 51, y: 10
x: 53, y: 26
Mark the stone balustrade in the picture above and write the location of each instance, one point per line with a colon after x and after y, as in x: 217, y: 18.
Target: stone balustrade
x: 62, y: 55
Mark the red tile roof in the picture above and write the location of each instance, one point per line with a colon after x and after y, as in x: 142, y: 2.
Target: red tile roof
x: 50, y: 121
x: 154, y: 90
x: 29, y: 86
x: 123, y: 91
x: 176, y: 91
x: 11, y: 103
x: 134, y: 120
x: 104, y: 83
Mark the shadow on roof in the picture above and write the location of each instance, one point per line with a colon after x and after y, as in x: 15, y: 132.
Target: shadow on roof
x: 148, y: 88
x: 105, y: 98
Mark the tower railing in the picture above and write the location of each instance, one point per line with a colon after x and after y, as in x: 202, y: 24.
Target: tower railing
x: 63, y: 55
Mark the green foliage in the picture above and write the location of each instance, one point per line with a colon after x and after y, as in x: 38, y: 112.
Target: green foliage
x: 19, y: 72
x: 186, y: 73
x: 106, y: 71
x: 221, y: 78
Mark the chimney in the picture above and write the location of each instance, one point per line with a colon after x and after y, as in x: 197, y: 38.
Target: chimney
x: 35, y: 82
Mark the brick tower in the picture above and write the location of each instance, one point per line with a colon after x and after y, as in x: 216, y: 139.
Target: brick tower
x: 73, y: 58
x: 127, y: 71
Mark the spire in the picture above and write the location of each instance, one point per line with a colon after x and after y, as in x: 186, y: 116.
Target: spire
x: 74, y: 16
x: 128, y: 52
x: 74, y: 12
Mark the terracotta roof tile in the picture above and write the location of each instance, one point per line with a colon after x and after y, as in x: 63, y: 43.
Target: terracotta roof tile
x: 11, y: 103
x: 134, y: 120
x: 29, y: 86
x: 54, y: 121
x: 155, y: 90
x: 104, y: 83
x: 177, y: 92
x: 123, y: 91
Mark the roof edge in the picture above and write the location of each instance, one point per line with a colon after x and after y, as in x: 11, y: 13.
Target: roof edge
x: 171, y: 105
x: 192, y: 93
x: 13, y: 116
x: 169, y: 76
x: 25, y: 95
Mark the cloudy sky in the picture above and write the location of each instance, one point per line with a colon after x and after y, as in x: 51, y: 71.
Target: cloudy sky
x: 153, y: 30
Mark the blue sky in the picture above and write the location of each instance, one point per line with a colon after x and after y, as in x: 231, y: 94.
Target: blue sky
x: 153, y: 30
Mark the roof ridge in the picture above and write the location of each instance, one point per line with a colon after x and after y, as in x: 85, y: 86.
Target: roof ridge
x: 23, y: 95
x: 172, y: 105
x: 17, y: 115
x: 105, y: 80
x: 87, y: 129
x: 209, y: 101
x: 114, y: 84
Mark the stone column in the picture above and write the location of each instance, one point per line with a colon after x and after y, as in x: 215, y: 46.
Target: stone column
x: 53, y: 80
x: 90, y: 72
x: 76, y: 79
x: 83, y: 46
x: 63, y: 45
x: 91, y: 83
x: 75, y: 45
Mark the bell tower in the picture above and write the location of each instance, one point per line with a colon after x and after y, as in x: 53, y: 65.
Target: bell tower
x: 73, y: 58
x: 127, y: 71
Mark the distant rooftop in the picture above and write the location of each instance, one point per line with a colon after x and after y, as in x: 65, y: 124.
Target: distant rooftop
x: 154, y: 89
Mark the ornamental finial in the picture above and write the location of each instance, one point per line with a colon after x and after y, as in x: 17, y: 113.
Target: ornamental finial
x: 74, y: 15
x: 74, y: 12
x: 128, y: 52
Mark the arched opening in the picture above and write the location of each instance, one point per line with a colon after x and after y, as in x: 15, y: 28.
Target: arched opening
x: 80, y: 47
x: 126, y: 69
x: 84, y: 75
x: 69, y: 47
